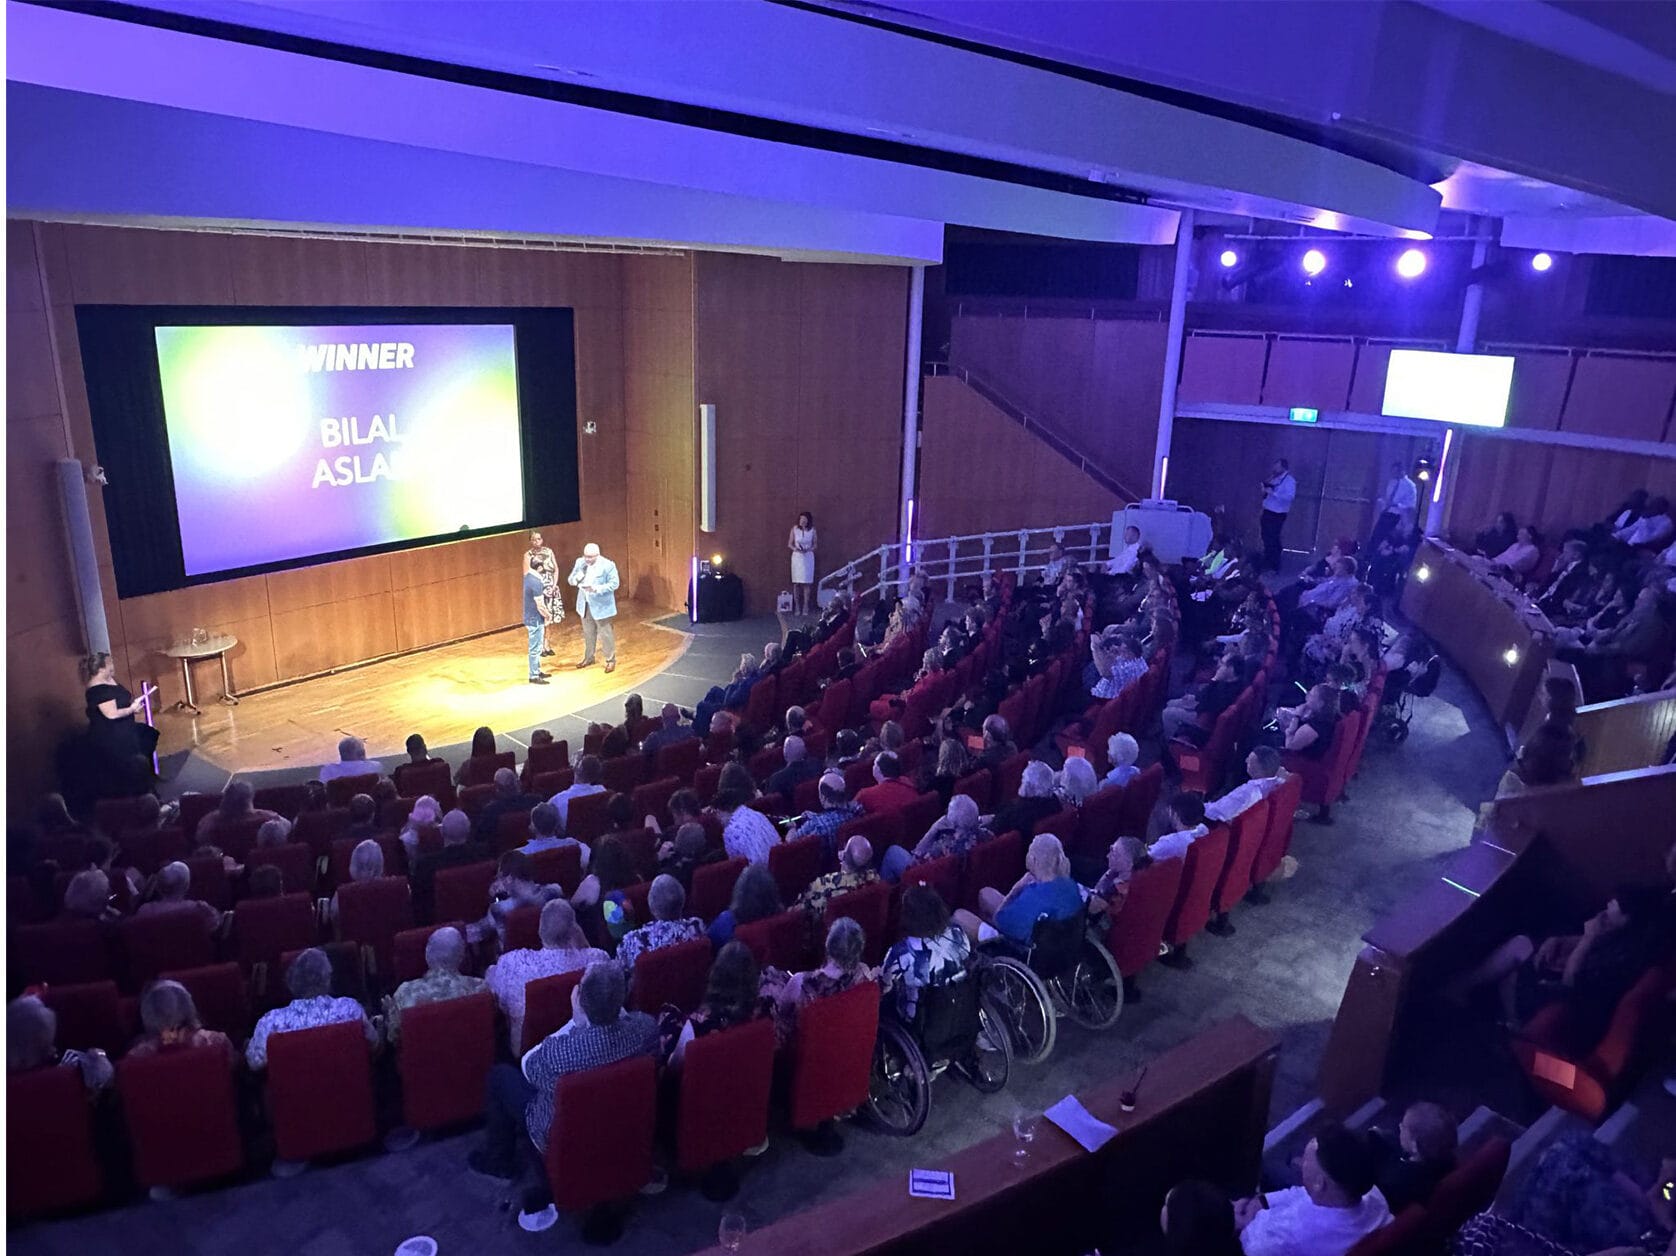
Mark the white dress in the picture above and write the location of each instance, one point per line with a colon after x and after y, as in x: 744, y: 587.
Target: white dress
x: 803, y: 556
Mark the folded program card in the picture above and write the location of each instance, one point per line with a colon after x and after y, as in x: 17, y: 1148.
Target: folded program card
x: 1081, y: 1124
x: 931, y: 1183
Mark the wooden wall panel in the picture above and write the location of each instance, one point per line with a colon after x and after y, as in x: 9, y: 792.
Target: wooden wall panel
x: 315, y: 638
x: 1555, y: 486
x: 1309, y: 373
x: 1629, y: 398
x: 1222, y: 369
x: 1538, y: 392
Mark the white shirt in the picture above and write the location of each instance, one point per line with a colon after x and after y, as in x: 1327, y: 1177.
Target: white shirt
x: 750, y: 835
x: 539, y: 843
x: 515, y: 969
x: 1174, y: 845
x: 561, y: 800
x: 1123, y: 562
x: 1650, y: 530
x: 1667, y: 556
x: 351, y: 767
x: 1295, y: 1225
x: 1242, y: 798
x: 1401, y: 496
x: 1280, y: 494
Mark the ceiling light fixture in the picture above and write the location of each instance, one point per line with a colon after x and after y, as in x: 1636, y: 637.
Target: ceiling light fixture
x: 1412, y: 264
x: 1314, y: 262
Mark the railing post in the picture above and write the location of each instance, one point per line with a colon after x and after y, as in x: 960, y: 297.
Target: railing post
x: 884, y: 568
x: 1094, y: 543
x: 952, y: 547
x: 988, y: 553
x: 1023, y: 544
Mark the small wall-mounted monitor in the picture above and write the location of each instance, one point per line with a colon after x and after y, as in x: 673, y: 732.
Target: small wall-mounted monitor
x: 1466, y: 388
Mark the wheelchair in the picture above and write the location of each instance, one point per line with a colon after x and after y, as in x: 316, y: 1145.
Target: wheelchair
x: 955, y: 1024
x: 1064, y: 971
x: 1396, y: 706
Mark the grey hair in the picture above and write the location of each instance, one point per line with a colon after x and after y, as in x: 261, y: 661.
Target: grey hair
x: 446, y: 949
x: 456, y: 828
x: 167, y: 1005
x: 87, y: 893
x: 601, y: 992
x: 366, y: 861
x: 963, y: 812
x: 310, y: 975
x: 666, y: 898
x: 844, y: 943
x: 174, y: 879
x: 1037, y: 781
x: 558, y: 921
x: 794, y: 749
x: 31, y: 1027
x: 1046, y: 858
x: 274, y: 833
x: 506, y: 780
x: 1077, y: 778
x: 351, y: 750
x: 1122, y: 749
x: 995, y: 729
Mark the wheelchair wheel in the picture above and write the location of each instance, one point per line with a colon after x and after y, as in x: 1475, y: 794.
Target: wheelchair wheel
x: 899, y: 1087
x: 1092, y: 991
x: 991, y: 1061
x: 1025, y: 1005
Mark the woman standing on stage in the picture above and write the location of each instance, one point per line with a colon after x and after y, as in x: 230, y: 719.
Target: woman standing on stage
x: 802, y: 546
x: 540, y: 560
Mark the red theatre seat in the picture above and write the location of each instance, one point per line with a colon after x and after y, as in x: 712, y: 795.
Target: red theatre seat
x: 266, y: 928
x: 371, y: 914
x: 869, y: 907
x: 1138, y: 929
x: 547, y: 1006
x: 1140, y: 796
x: 671, y: 974
x: 713, y: 888
x: 979, y: 786
x: 319, y: 829
x: 624, y: 774
x: 1245, y: 836
x: 1278, y: 838
x: 287, y: 800
x: 523, y: 929
x: 182, y: 1116
x: 832, y: 1055
x: 89, y: 1015
x: 341, y: 789
x: 171, y: 939
x: 725, y: 1082
x: 995, y: 863
x: 599, y: 1149
x: 436, y: 779
x: 942, y: 875
x: 295, y: 862
x: 794, y: 864
x: 779, y: 940
x: 150, y: 851
x: 681, y: 760
x: 62, y: 952
x: 652, y: 798
x: 1201, y: 868
x: 480, y: 769
x: 408, y: 949
x: 586, y: 818
x: 446, y: 1050
x: 1097, y: 823
x: 320, y: 1091
x: 561, y: 866
x: 50, y: 1164
x: 462, y: 893
x: 219, y: 992
x: 540, y: 759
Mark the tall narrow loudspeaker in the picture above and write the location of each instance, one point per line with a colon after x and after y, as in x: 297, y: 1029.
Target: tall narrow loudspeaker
x: 707, y: 468
x: 84, y: 565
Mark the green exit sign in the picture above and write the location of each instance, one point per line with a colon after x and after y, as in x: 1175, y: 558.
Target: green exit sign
x: 1303, y: 414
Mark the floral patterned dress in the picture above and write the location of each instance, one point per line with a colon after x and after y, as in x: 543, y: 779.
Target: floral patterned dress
x: 545, y: 565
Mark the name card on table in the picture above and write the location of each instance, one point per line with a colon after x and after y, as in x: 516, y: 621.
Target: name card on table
x: 1081, y: 1124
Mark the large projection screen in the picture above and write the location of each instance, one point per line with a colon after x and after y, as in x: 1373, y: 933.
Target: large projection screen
x: 1466, y: 388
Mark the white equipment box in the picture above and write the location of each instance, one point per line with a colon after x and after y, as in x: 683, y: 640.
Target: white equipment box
x: 1174, y: 531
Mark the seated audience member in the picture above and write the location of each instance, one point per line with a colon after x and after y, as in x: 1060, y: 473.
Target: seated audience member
x: 836, y: 810
x: 1519, y: 559
x: 736, y: 777
x: 1198, y: 1220
x: 998, y: 745
x: 1642, y: 636
x: 518, y: 1110
x: 564, y: 949
x: 1184, y: 821
x: 671, y: 732
x: 891, y: 791
x: 236, y: 809
x: 799, y: 768
x: 589, y: 772
x: 265, y: 881
x: 146, y: 819
x: 273, y: 833
x: 1589, y: 972
x: 708, y: 708
x: 515, y: 886
x: 746, y: 832
x: 445, y: 952
x: 52, y: 816
x: 1075, y: 783
x: 1547, y: 757
x: 1653, y: 529
x: 1568, y: 578
x: 1046, y: 890
x: 842, y: 968
x: 1035, y: 802
x: 1585, y: 1196
x: 1264, y: 775
x: 933, y: 951
x: 1184, y: 716
x: 1498, y: 536
x: 1388, y: 565
x: 456, y: 851
x: 1126, y: 667
x: 855, y: 869
x: 955, y: 833
x: 1337, y: 1204
x: 1356, y: 611
x: 1330, y: 594
x: 1128, y: 556
x: 744, y: 676
x: 545, y: 834
x: 1122, y: 750
x: 732, y: 996
x: 666, y: 900
x: 309, y: 979
x: 170, y: 894
x: 352, y: 761
x: 170, y: 1022
x: 1057, y: 564
x: 689, y: 848
x: 756, y: 896
x: 1307, y: 729
x: 1420, y: 1156
x: 31, y: 1043
x: 482, y: 747
x: 418, y: 756
x: 363, y: 818
x: 426, y: 813
x: 1626, y: 513
x: 952, y: 763
x: 1127, y: 856
x: 509, y: 798
x: 88, y: 896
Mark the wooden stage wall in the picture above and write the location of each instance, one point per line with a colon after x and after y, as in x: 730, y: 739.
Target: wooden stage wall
x: 805, y: 361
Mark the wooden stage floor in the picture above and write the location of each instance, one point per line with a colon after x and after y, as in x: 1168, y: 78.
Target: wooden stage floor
x: 444, y: 693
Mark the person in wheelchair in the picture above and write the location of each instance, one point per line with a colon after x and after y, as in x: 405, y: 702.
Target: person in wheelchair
x: 1046, y: 890
x: 933, y: 951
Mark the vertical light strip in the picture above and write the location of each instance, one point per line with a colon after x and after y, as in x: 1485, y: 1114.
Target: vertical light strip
x: 1442, y: 463
x: 908, y: 540
x: 1163, y: 475
x: 693, y: 600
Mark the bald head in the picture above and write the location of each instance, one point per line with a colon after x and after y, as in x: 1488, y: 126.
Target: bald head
x: 858, y: 853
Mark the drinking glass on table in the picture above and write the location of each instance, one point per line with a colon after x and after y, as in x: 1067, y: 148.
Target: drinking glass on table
x: 1025, y: 1121
x: 731, y: 1232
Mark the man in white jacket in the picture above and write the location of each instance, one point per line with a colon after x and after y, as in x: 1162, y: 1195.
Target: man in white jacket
x: 595, y: 580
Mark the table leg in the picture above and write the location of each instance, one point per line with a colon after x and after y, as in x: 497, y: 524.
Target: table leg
x: 191, y: 703
x: 228, y: 697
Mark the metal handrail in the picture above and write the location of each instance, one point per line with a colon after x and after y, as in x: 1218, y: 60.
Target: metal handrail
x: 949, y: 559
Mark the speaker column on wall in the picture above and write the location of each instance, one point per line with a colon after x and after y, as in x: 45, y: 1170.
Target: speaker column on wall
x: 707, y: 468
x: 84, y: 565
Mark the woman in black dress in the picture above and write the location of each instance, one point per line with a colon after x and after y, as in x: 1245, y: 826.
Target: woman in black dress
x: 122, y: 745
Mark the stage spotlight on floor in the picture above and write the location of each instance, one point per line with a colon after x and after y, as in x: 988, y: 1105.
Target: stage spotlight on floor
x: 1314, y: 262
x: 1412, y: 264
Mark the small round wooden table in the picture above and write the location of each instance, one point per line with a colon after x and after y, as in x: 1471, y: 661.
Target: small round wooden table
x: 214, y: 647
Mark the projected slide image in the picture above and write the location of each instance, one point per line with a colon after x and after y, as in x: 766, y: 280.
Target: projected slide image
x: 287, y: 442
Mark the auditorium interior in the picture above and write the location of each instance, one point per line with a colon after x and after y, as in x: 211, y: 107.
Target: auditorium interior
x: 801, y: 626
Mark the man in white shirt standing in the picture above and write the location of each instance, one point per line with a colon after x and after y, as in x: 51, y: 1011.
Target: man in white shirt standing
x: 1399, y: 506
x: 1262, y: 765
x: 1336, y: 1205
x: 595, y: 580
x: 1278, y: 491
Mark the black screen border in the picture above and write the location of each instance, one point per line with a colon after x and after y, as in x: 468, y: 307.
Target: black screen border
x: 125, y: 401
